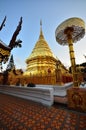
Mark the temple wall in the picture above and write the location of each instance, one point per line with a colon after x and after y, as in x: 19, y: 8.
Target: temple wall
x: 49, y: 79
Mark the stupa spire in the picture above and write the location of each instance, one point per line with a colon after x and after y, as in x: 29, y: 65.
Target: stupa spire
x: 41, y: 33
x: 40, y: 25
x: 11, y: 65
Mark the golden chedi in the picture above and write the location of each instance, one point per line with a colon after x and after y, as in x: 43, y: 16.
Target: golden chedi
x: 42, y: 65
x: 41, y: 60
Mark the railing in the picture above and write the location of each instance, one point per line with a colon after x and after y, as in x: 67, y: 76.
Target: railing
x: 41, y: 95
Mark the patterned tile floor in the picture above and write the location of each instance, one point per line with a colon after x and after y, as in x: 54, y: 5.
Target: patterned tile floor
x: 21, y: 114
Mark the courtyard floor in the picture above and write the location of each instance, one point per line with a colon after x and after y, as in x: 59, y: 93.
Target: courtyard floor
x: 20, y: 114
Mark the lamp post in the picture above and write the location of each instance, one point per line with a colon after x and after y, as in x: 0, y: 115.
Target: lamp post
x: 67, y: 33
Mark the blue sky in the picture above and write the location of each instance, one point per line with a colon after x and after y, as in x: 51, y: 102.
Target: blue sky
x: 52, y: 13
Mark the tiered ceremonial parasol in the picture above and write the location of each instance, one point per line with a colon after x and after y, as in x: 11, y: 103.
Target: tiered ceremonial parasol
x: 67, y: 33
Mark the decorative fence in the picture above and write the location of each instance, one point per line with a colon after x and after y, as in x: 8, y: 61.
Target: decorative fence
x: 42, y: 79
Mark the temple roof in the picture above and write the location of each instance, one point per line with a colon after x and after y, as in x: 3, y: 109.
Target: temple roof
x: 41, y: 48
x: 3, y: 45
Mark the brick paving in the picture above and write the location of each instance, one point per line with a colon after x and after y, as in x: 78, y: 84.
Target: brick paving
x: 20, y: 114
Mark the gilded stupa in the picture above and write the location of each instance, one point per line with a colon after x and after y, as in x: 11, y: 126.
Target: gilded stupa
x: 41, y: 60
x: 42, y: 64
